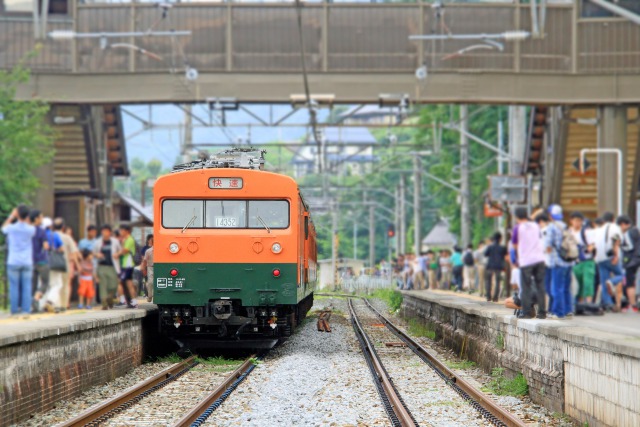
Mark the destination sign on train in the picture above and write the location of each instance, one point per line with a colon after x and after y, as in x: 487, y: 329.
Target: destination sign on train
x: 225, y: 183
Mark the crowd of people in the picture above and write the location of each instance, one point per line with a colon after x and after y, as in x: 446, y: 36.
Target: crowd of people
x: 543, y: 267
x: 46, y: 266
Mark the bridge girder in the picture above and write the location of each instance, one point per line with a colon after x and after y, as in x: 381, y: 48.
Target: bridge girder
x: 469, y: 88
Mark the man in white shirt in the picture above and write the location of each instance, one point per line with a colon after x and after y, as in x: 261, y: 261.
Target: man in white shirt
x: 608, y: 259
x: 585, y: 269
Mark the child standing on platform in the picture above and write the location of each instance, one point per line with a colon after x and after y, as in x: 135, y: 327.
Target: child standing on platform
x: 86, y: 290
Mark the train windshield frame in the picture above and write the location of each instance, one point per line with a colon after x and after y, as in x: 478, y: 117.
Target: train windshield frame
x: 221, y: 214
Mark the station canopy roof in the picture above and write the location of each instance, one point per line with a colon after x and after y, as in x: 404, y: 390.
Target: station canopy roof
x: 440, y: 236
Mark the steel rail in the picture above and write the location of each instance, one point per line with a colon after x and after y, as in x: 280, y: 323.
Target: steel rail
x: 99, y: 413
x: 199, y: 413
x: 489, y: 409
x: 395, y: 404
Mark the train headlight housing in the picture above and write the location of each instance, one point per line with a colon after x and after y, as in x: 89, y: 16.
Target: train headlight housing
x: 174, y: 248
x: 276, y: 248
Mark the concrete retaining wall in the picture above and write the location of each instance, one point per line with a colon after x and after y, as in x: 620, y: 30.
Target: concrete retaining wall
x: 57, y: 358
x: 592, y: 376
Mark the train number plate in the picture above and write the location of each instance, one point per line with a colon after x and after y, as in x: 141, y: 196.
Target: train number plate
x: 226, y: 221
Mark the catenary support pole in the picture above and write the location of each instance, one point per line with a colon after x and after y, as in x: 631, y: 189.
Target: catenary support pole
x: 334, y: 245
x: 417, y: 184
x: 372, y: 239
x: 465, y: 220
x: 397, y: 219
x: 402, y: 232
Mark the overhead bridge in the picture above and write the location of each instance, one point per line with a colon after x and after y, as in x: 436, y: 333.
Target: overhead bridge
x: 355, y: 51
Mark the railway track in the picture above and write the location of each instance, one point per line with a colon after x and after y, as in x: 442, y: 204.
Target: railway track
x: 394, y: 406
x: 396, y: 409
x: 103, y: 412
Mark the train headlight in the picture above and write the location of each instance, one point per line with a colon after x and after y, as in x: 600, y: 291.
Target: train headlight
x: 276, y: 248
x: 174, y: 248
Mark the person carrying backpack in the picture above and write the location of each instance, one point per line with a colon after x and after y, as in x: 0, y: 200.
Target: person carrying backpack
x: 562, y: 249
x: 469, y: 269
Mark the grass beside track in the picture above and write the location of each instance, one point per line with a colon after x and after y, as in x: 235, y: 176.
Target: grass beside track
x: 214, y: 364
x: 392, y: 297
x: 503, y: 386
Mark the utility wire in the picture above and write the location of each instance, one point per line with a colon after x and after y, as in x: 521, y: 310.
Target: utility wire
x: 312, y: 111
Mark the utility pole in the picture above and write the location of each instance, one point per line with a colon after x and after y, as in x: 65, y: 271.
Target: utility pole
x: 355, y: 239
x: 143, y: 194
x: 465, y: 220
x: 517, y: 138
x: 417, y: 184
x: 501, y: 160
x: 372, y: 237
x: 334, y: 244
x: 397, y: 219
x: 402, y: 232
x: 187, y: 141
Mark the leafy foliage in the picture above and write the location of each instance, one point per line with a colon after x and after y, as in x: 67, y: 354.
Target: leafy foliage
x: 502, y: 386
x: 140, y: 173
x: 437, y: 201
x: 419, y: 329
x: 392, y: 297
x: 26, y: 141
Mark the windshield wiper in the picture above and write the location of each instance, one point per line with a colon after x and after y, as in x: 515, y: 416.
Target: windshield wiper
x: 264, y: 224
x: 189, y: 223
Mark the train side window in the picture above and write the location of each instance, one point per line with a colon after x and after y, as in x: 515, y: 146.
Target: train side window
x: 182, y: 213
x: 306, y: 228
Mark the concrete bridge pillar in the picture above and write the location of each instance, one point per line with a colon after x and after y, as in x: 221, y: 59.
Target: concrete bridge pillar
x: 612, y: 133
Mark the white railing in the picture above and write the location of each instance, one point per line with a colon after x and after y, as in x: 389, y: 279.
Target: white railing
x: 365, y: 283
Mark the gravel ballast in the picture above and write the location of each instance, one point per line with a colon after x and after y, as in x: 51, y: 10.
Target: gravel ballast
x: 314, y: 379
x: 67, y: 409
x: 429, y: 399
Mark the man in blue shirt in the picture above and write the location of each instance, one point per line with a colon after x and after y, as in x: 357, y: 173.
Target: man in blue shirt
x: 561, y: 304
x: 20, y: 261
x: 88, y: 242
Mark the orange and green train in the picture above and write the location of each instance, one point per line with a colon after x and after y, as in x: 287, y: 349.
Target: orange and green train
x: 234, y: 253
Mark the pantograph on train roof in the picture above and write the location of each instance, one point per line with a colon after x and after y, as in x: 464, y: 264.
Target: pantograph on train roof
x: 234, y: 158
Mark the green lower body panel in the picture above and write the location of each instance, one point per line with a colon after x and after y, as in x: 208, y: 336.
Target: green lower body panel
x: 253, y: 284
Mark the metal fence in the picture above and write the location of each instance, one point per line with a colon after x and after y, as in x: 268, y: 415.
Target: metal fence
x: 339, y: 37
x: 365, y: 283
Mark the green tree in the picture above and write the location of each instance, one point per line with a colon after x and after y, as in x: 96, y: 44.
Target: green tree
x: 141, y: 172
x: 26, y: 140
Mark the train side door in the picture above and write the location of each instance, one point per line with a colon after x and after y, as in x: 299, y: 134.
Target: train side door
x: 301, y: 245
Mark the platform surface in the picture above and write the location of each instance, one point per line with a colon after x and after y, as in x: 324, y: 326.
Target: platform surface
x: 617, y: 332
x: 21, y: 328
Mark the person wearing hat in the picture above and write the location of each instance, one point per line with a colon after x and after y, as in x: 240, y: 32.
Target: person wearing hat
x: 561, y: 299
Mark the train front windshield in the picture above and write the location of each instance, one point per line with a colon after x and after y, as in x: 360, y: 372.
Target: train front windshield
x: 225, y: 213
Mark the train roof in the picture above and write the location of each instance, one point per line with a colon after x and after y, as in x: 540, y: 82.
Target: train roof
x: 234, y: 158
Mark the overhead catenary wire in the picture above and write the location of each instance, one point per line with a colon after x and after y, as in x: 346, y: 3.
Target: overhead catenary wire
x: 305, y: 77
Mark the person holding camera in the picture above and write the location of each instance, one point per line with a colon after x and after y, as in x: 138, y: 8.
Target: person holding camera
x: 20, y: 260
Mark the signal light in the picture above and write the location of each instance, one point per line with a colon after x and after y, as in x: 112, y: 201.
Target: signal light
x: 276, y: 272
x: 391, y: 231
x: 173, y: 272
